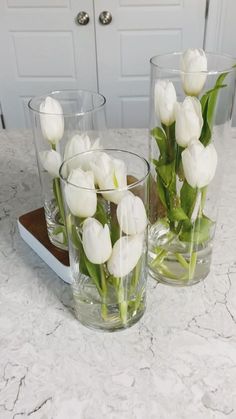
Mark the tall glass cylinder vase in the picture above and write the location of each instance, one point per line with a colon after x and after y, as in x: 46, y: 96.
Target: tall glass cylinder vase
x: 64, y: 123
x: 105, y: 194
x: 191, y: 101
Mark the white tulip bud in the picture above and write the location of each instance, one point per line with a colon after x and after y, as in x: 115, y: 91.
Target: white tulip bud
x: 189, y: 121
x: 80, y: 144
x: 101, y: 167
x: 51, y: 162
x: 199, y: 164
x: 96, y: 241
x: 81, y: 202
x: 193, y: 65
x: 131, y: 214
x: 52, y: 120
x: 125, y: 255
x: 165, y: 99
x: 111, y: 174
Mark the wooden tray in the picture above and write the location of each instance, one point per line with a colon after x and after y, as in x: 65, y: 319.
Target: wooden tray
x: 33, y: 230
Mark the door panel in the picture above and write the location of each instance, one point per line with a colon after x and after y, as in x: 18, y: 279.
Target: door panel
x: 43, y: 49
x: 139, y: 30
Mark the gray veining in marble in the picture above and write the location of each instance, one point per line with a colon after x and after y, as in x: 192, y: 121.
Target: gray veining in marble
x: 178, y: 362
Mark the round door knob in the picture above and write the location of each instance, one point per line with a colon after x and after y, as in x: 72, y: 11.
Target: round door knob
x: 82, y: 18
x: 105, y: 18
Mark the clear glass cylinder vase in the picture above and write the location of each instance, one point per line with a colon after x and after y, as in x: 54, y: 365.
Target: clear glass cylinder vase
x: 190, y: 120
x: 106, y: 197
x: 64, y: 123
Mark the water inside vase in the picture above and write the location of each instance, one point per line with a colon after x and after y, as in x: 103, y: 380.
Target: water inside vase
x: 176, y: 262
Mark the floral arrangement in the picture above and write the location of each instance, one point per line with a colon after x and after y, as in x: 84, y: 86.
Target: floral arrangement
x: 102, y: 218
x: 106, y: 224
x: 52, y: 126
x: 186, y: 164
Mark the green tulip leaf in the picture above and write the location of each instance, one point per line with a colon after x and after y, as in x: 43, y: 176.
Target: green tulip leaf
x: 197, y: 232
x: 177, y: 214
x: 76, y: 240
x: 208, y: 103
x: 187, y: 198
x: 178, y: 160
x: 58, y: 197
x: 101, y: 214
x: 161, y: 191
x: 168, y: 176
x: 169, y: 131
x: 161, y: 140
x: 213, y: 98
x: 94, y: 273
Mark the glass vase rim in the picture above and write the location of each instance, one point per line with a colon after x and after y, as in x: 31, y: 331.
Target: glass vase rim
x: 67, y: 114
x: 103, y: 191
x: 206, y: 72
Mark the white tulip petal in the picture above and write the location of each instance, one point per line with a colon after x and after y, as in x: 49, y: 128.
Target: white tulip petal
x: 193, y: 61
x: 199, y: 164
x: 131, y: 214
x: 125, y: 255
x: 96, y: 241
x: 110, y: 174
x: 165, y: 99
x: 77, y: 144
x: 51, y: 162
x: 80, y: 144
x: 51, y: 120
x: 101, y: 167
x: 81, y: 202
x: 189, y: 121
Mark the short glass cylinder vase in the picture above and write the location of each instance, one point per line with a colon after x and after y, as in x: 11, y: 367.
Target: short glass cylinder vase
x: 190, y: 124
x: 64, y: 123
x: 105, y: 196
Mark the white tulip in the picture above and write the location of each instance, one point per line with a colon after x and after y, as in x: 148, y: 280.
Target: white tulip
x: 193, y: 61
x: 52, y: 120
x: 80, y: 144
x: 131, y: 214
x: 96, y: 241
x: 189, y: 121
x: 81, y: 202
x: 165, y: 99
x: 199, y: 164
x: 110, y: 174
x: 125, y: 255
x: 101, y: 167
x: 51, y: 162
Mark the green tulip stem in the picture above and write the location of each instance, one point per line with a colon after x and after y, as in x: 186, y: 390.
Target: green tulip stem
x: 192, y: 265
x: 203, y: 200
x: 103, y: 292
x: 135, y: 278
x: 161, y: 254
x: 183, y: 262
x: 58, y: 196
x: 170, y: 147
x: 122, y: 303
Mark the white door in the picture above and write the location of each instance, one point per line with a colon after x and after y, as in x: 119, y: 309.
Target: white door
x: 43, y: 49
x: 140, y: 29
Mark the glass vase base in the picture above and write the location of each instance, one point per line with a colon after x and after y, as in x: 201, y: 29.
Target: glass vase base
x: 175, y: 282
x: 54, y: 238
x: 56, y: 230
x: 174, y: 262
x: 110, y: 316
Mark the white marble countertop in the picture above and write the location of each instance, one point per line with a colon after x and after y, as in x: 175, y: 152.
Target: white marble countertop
x: 178, y: 362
